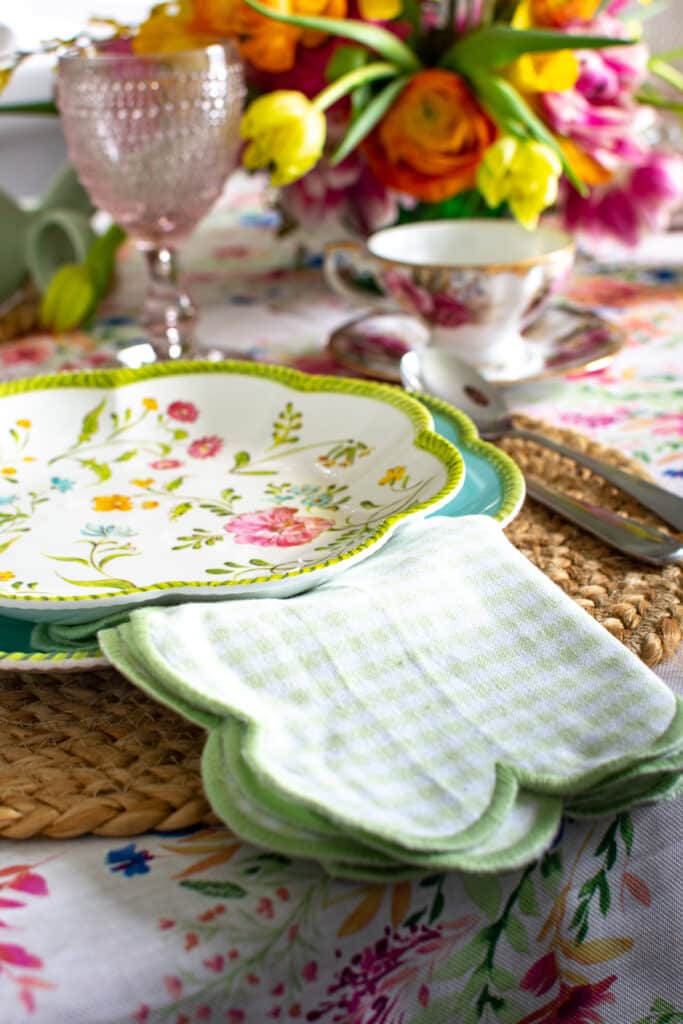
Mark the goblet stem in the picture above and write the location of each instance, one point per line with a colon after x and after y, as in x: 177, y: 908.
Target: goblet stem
x: 168, y: 313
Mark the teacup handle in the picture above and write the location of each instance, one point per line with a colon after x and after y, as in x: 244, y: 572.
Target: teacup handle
x: 341, y: 258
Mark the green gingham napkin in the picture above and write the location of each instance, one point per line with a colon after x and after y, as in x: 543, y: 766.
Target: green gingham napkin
x: 437, y: 704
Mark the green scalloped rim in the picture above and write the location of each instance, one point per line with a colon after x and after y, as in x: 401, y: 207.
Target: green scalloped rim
x: 425, y: 439
x: 512, y: 478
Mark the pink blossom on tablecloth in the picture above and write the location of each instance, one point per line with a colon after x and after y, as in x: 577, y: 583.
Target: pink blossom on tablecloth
x: 281, y: 527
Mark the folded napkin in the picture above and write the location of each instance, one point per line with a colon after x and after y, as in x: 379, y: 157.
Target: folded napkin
x: 438, y: 705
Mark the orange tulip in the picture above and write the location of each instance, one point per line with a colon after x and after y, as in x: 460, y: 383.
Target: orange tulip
x: 557, y: 13
x: 430, y: 142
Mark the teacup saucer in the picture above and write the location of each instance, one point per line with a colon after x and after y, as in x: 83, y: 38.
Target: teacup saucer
x: 562, y: 340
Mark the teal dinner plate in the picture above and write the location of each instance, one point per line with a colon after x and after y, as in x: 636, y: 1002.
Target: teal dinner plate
x: 494, y: 486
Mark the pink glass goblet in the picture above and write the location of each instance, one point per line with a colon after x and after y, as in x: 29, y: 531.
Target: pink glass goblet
x: 153, y: 139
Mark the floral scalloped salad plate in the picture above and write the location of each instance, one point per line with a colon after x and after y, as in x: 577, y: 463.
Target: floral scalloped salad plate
x: 493, y: 486
x: 202, y: 481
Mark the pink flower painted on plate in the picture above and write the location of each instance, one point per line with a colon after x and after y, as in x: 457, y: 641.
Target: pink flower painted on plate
x: 165, y: 464
x: 276, y: 527
x: 205, y: 447
x: 185, y: 412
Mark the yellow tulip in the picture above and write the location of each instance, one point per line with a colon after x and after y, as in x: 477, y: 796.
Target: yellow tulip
x: 522, y: 173
x: 286, y: 134
x: 545, y: 72
x: 379, y: 10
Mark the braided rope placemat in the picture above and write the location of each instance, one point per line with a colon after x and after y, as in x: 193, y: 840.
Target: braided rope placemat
x: 86, y: 752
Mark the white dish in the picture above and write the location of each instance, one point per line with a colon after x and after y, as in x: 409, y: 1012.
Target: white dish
x: 202, y: 481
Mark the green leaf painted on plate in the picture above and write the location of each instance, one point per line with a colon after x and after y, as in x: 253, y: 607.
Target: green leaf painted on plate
x: 109, y: 584
x: 173, y: 485
x: 127, y: 455
x: 100, y: 469
x: 91, y: 422
x: 180, y: 509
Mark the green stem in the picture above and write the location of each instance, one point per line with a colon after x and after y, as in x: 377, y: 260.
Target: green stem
x: 660, y: 102
x: 672, y: 76
x: 351, y: 80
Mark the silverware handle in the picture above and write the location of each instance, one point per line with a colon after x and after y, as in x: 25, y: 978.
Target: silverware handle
x: 626, y: 535
x: 668, y: 506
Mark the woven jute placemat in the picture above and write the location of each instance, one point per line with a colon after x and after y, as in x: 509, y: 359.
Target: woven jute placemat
x: 86, y: 752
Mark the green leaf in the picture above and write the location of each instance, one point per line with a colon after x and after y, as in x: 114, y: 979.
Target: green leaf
x: 216, y: 890
x: 607, y: 838
x: 374, y: 37
x: 257, y: 561
x: 91, y: 422
x: 127, y: 455
x: 366, y: 120
x: 3, y: 547
x: 437, y: 906
x: 513, y: 114
x: 527, y: 901
x: 438, y: 1011
x: 462, y: 961
x: 100, y: 469
x: 345, y: 59
x: 495, y: 46
x: 241, y: 459
x: 626, y: 830
x: 515, y: 932
x: 485, y: 891
x: 173, y: 485
x: 180, y: 510
x: 604, y: 893
x: 503, y: 979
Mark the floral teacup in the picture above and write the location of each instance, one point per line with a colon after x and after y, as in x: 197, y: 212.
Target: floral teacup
x: 477, y: 284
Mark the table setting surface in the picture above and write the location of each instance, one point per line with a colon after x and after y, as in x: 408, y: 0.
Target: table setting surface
x: 559, y: 897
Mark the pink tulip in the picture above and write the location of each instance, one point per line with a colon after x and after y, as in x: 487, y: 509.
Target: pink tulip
x: 599, y: 113
x: 641, y: 198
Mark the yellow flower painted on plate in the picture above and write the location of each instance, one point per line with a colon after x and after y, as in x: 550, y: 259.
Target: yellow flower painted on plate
x: 5, y: 576
x: 112, y: 503
x: 9, y: 471
x: 150, y: 504
x: 29, y: 458
x: 24, y: 423
x: 393, y: 475
x: 150, y: 403
x: 147, y: 482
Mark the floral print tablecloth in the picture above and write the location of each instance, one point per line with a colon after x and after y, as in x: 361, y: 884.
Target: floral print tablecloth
x: 197, y: 926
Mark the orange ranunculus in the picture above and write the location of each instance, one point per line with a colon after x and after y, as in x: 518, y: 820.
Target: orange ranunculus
x: 558, y: 13
x: 268, y: 45
x: 430, y: 142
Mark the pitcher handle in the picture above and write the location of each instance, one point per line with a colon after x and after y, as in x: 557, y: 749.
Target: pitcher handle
x: 343, y: 258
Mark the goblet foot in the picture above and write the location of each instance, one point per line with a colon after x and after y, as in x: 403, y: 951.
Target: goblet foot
x: 168, y: 315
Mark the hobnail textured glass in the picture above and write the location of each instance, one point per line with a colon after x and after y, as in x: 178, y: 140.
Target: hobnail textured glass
x: 153, y: 139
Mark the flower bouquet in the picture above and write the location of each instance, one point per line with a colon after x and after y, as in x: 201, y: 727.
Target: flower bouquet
x: 379, y: 111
